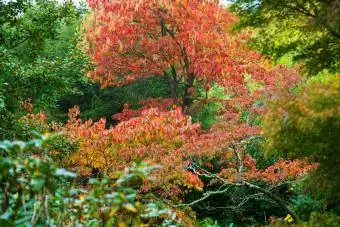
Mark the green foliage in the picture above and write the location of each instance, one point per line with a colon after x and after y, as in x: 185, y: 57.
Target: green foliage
x: 207, y: 116
x: 96, y: 103
x: 304, y: 205
x: 307, y: 124
x: 307, y: 32
x: 30, y: 66
x: 206, y: 111
x: 33, y: 191
x: 208, y: 222
x: 323, y: 219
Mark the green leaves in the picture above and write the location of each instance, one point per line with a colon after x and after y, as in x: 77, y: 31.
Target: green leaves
x: 33, y: 191
x: 307, y: 124
x: 31, y: 68
x: 304, y: 32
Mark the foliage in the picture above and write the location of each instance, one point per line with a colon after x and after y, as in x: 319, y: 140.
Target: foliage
x: 168, y: 138
x: 35, y: 192
x: 96, y: 103
x: 30, y: 68
x: 304, y: 205
x: 316, y: 219
x: 191, y: 99
x: 306, y: 124
x: 306, y: 31
x: 133, y: 39
x: 161, y: 104
x: 326, y: 219
x: 208, y: 105
x: 154, y: 137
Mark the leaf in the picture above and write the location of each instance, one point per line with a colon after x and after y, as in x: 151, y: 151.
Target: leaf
x: 130, y: 207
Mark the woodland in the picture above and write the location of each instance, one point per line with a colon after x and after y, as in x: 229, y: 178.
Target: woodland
x: 195, y: 113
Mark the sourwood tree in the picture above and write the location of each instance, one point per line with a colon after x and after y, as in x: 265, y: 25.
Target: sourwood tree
x: 189, y: 41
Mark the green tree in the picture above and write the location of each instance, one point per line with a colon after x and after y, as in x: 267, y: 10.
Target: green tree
x: 31, y: 68
x: 308, y: 32
x: 307, y: 124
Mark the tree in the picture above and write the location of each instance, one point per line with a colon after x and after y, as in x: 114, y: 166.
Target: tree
x: 184, y: 152
x: 30, y: 68
x: 306, y: 124
x: 307, y: 31
x: 190, y: 41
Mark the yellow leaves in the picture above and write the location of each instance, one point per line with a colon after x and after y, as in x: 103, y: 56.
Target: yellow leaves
x: 121, y: 224
x: 82, y: 197
x: 130, y: 207
x: 229, y: 154
x: 289, y: 219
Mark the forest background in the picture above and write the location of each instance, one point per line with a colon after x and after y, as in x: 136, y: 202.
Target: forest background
x: 174, y: 113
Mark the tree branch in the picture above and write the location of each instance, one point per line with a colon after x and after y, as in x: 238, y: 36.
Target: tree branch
x: 206, y: 195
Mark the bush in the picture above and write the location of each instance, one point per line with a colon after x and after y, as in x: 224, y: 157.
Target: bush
x: 33, y: 191
x: 307, y: 124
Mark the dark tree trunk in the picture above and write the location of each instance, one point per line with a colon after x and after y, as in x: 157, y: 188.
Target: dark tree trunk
x: 188, y: 96
x: 173, y: 83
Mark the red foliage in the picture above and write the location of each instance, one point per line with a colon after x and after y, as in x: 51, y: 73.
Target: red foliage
x: 168, y: 138
x: 154, y: 136
x: 159, y: 103
x: 282, y: 170
x: 138, y: 38
x: 134, y: 38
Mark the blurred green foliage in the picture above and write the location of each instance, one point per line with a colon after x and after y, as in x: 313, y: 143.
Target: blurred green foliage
x: 34, y: 192
x: 206, y: 108
x: 307, y: 124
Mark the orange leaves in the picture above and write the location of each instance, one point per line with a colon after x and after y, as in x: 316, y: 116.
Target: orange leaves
x: 193, y: 181
x: 27, y: 105
x: 281, y: 170
x: 159, y: 103
x: 169, y: 138
x: 154, y: 136
x: 154, y: 126
x: 146, y: 37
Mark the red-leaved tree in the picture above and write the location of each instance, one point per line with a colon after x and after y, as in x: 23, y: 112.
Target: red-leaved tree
x: 191, y: 42
x: 187, y: 40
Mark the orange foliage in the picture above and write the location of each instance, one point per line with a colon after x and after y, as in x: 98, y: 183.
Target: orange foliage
x: 154, y: 136
x: 282, y: 170
x: 168, y: 138
x: 159, y: 103
x: 134, y: 38
x: 138, y: 38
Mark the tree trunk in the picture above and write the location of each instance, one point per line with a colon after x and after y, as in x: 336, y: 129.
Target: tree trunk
x: 173, y: 82
x: 188, y: 96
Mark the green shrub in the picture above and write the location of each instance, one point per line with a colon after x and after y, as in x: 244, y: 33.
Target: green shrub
x: 33, y: 191
x: 307, y: 124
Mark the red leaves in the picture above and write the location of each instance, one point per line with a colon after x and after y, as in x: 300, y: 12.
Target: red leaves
x: 281, y: 170
x: 193, y: 181
x: 145, y: 37
x: 159, y: 103
x: 168, y: 138
x: 154, y: 136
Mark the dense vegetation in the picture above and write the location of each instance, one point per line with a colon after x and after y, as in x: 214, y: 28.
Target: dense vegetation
x: 169, y: 113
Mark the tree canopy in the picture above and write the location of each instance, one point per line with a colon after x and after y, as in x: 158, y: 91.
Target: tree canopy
x: 307, y: 31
